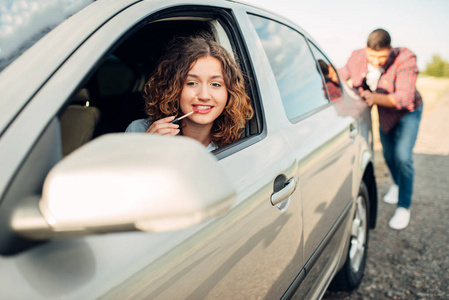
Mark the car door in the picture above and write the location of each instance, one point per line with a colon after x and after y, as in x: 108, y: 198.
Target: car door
x: 322, y: 140
x: 255, y: 250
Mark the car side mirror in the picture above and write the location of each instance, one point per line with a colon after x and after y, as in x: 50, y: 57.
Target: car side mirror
x: 122, y: 182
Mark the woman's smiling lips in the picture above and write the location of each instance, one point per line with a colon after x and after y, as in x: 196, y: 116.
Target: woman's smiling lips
x: 202, y: 109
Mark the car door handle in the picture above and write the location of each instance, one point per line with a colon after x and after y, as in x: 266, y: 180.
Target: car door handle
x: 285, y: 192
x: 353, y: 131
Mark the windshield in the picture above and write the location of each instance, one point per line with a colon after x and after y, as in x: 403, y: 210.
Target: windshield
x: 24, y: 22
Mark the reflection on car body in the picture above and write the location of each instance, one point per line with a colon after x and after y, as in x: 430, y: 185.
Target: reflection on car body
x: 281, y: 213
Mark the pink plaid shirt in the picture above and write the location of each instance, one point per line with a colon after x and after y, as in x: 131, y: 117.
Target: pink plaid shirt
x: 398, y: 78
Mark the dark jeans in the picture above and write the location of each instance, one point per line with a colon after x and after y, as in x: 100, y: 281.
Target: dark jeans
x: 398, y: 146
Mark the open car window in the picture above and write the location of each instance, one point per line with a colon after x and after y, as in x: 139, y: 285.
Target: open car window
x: 110, y: 96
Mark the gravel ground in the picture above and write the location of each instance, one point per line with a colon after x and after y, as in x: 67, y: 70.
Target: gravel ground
x: 413, y: 263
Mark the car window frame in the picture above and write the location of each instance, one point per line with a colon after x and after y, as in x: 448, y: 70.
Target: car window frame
x: 227, y: 20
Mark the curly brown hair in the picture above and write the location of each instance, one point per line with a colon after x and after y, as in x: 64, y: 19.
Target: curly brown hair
x: 163, y: 89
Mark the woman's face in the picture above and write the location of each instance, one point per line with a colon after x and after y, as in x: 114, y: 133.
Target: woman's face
x: 204, y: 91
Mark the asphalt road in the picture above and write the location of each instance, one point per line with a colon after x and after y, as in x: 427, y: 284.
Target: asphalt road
x: 413, y: 263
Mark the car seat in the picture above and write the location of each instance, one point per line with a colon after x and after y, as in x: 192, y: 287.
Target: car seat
x: 78, y: 122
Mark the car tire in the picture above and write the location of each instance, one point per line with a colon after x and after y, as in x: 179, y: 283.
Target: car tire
x: 351, y: 274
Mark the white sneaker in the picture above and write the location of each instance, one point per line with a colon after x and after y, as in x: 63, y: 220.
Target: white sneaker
x: 393, y: 194
x: 400, y: 219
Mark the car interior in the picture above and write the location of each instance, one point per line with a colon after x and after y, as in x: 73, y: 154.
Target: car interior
x: 111, y: 97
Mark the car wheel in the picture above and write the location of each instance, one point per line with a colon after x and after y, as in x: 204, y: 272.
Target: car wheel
x: 350, y: 276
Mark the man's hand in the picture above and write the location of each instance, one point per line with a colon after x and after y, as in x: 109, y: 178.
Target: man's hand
x: 368, y: 96
x: 376, y: 98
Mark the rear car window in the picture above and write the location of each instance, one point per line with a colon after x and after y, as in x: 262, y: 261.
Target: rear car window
x: 333, y: 84
x: 297, y: 76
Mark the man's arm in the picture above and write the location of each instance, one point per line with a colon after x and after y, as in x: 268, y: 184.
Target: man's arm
x: 344, y: 73
x: 405, y: 84
x: 354, y: 67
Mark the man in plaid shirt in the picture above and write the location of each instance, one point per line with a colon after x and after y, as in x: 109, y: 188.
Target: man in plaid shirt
x: 386, y: 76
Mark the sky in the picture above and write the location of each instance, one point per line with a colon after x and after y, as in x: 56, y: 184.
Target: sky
x: 342, y: 26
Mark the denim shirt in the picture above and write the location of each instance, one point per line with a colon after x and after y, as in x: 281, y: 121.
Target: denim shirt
x: 142, y: 125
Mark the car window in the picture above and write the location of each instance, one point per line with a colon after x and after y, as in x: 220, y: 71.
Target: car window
x: 333, y: 85
x: 298, y: 79
x: 111, y: 96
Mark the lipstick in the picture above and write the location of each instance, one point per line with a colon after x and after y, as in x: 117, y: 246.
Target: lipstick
x: 176, y: 120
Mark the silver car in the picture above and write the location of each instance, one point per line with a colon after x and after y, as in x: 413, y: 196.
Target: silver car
x: 88, y: 212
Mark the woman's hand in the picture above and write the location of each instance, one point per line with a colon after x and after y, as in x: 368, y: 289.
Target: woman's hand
x: 164, y: 127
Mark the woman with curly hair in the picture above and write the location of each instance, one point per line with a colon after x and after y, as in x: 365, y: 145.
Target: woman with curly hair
x: 196, y: 75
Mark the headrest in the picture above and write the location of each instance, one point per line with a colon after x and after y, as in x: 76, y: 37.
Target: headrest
x: 81, y: 98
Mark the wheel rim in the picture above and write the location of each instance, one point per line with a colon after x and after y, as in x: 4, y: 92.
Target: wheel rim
x: 358, y: 235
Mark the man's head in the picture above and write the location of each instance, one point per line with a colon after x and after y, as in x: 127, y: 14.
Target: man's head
x: 378, y: 48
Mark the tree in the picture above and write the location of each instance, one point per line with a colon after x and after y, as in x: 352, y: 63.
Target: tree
x: 437, y: 67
